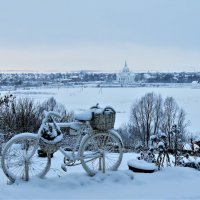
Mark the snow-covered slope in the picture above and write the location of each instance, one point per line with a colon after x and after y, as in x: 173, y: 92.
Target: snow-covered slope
x: 169, y: 183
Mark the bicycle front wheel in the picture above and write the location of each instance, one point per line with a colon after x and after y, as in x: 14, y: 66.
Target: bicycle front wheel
x: 101, y: 152
x: 20, y: 158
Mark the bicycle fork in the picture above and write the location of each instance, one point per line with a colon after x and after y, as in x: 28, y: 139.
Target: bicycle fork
x: 102, y: 164
x: 26, y: 170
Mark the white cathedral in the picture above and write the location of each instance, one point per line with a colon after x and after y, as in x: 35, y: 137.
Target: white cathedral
x: 125, y: 77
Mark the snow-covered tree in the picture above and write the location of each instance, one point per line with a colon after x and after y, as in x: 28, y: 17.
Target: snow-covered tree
x: 150, y: 114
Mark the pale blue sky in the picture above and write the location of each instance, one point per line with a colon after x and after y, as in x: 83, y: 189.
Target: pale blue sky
x: 63, y: 35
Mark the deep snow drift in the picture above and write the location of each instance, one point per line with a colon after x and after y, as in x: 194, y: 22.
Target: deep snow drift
x: 168, y: 183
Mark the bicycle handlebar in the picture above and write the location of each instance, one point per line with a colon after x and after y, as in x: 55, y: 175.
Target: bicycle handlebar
x: 109, y: 108
x: 105, y: 109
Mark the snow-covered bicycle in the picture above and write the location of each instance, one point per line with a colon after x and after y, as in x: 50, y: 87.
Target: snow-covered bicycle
x: 97, y: 148
x: 159, y: 145
x: 163, y: 158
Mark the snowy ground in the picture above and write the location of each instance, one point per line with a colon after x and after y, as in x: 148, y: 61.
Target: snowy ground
x: 169, y: 183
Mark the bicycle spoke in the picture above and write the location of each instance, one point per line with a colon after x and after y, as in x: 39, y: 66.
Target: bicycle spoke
x: 109, y: 156
x: 20, y: 160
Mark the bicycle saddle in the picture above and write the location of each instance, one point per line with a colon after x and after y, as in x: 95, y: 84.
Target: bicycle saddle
x: 83, y: 115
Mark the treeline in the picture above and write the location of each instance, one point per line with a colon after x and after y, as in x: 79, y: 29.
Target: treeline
x: 83, y: 77
x: 38, y: 79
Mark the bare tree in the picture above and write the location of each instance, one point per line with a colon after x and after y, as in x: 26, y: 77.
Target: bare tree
x: 170, y: 111
x: 52, y: 105
x: 151, y: 115
x: 172, y: 114
x: 158, y: 112
x: 145, y: 116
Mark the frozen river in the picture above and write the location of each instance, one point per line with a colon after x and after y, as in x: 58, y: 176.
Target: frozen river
x: 120, y: 99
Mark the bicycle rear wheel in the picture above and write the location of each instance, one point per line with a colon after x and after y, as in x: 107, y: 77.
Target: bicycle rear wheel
x: 20, y: 158
x: 101, y: 152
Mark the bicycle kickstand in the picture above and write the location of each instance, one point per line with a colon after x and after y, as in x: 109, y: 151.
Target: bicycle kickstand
x: 63, y: 167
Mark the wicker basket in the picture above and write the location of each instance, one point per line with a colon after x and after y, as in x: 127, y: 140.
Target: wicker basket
x: 50, y: 138
x: 47, y: 147
x: 103, y: 121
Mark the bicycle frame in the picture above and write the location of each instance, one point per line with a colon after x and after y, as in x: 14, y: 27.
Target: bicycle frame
x: 95, y: 150
x: 83, y: 130
x: 74, y: 155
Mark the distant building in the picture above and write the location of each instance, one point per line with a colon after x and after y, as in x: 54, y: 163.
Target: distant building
x: 195, y: 84
x: 125, y: 77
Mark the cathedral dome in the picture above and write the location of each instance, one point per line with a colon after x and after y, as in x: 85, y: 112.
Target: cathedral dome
x: 126, y: 77
x: 125, y: 69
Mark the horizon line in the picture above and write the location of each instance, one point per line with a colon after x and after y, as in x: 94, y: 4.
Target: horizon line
x: 95, y: 71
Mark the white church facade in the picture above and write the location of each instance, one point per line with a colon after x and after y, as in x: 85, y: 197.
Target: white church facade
x: 125, y: 77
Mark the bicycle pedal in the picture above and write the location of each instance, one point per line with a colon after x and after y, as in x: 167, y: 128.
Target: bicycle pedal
x: 64, y: 168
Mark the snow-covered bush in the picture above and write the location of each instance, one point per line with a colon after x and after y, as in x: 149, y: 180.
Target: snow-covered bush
x: 2, y: 140
x: 176, y: 142
x: 148, y: 156
x: 188, y: 161
x: 24, y: 115
x: 20, y: 115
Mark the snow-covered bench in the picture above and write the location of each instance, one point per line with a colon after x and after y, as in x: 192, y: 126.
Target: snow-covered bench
x: 141, y: 166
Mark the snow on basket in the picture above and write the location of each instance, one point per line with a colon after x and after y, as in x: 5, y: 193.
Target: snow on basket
x: 102, y: 118
x: 141, y: 166
x: 50, y: 138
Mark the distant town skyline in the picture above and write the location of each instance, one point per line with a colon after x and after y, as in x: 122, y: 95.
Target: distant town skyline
x: 72, y: 35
